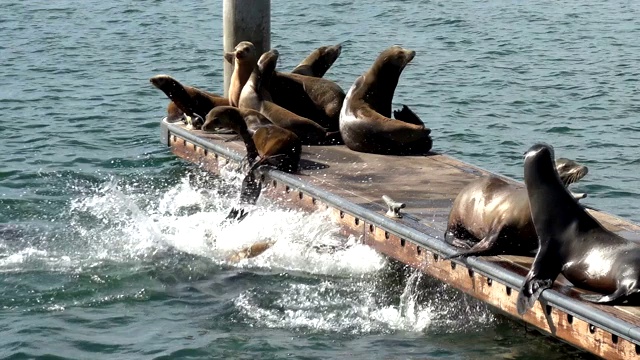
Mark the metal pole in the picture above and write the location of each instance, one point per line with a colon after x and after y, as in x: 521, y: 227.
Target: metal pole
x: 245, y: 20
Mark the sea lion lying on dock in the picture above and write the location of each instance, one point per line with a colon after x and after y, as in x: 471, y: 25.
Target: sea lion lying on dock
x: 319, y: 61
x: 491, y: 216
x: 255, y: 96
x: 571, y: 241
x: 365, y: 122
x: 191, y: 101
x: 311, y: 97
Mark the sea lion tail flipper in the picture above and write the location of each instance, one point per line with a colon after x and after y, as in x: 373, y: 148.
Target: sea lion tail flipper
x: 237, y: 214
x: 407, y: 115
x: 597, y: 298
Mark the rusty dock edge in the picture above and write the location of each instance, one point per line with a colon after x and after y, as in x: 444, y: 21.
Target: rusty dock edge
x: 577, y: 323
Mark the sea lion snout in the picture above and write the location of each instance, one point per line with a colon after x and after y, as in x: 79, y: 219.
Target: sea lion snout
x: 160, y: 80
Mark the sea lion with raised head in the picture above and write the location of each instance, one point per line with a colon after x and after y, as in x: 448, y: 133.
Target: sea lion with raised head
x: 365, y: 122
x: 491, y: 216
x: 319, y: 61
x: 274, y: 145
x: 311, y: 97
x: 255, y: 96
x: 571, y: 241
x: 191, y: 101
x: 244, y: 59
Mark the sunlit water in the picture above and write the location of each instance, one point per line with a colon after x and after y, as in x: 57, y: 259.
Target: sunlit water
x: 110, y: 247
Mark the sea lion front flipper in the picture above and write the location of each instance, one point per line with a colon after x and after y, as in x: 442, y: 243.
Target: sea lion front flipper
x: 541, y: 276
x: 407, y: 115
x: 251, y: 188
x: 484, y: 246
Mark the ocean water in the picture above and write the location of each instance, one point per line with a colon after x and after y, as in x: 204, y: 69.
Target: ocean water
x: 111, y: 247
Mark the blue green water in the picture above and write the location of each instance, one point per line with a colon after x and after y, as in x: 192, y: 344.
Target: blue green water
x: 111, y: 247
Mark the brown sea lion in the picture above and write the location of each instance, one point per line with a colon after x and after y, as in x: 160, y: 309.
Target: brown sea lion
x: 491, y: 216
x: 319, y: 61
x: 365, y: 122
x: 255, y: 96
x: 314, y: 98
x: 571, y: 241
x: 244, y: 58
x: 276, y: 146
x: 251, y: 251
x: 174, y: 113
x: 192, y: 101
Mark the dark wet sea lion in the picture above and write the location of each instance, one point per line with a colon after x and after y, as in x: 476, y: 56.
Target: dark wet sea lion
x: 571, y: 241
x: 173, y: 112
x: 244, y: 58
x: 491, y: 216
x: 311, y: 97
x: 275, y: 146
x: 319, y: 61
x: 365, y: 122
x: 255, y: 96
x: 192, y: 101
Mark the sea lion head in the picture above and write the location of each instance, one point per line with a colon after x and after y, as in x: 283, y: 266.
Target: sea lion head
x: 245, y: 51
x: 570, y: 171
x: 395, y: 59
x: 228, y: 117
x: 163, y: 81
x: 268, y: 60
x: 539, y: 166
x: 328, y: 55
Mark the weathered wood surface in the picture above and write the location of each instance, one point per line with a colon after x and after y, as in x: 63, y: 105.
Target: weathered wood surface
x: 428, y: 185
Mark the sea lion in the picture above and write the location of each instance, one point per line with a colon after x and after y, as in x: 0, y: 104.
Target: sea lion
x: 571, y: 241
x: 491, y: 216
x: 192, y: 101
x: 255, y: 96
x: 365, y: 122
x: 319, y: 61
x: 244, y: 59
x: 174, y: 113
x: 311, y: 97
x: 251, y: 251
x: 274, y: 145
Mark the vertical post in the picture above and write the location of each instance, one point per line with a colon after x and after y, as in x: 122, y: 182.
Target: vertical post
x: 245, y: 20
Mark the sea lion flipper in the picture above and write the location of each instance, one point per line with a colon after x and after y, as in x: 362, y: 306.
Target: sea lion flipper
x: 407, y: 115
x: 530, y: 292
x: 481, y: 248
x: 597, y: 298
x: 251, y: 188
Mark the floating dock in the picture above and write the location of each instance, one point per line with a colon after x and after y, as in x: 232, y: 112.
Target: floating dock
x: 351, y: 185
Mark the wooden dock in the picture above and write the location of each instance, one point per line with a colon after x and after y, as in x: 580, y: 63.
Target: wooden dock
x: 352, y: 183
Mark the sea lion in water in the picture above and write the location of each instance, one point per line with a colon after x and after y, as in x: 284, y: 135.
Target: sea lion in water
x: 491, y: 216
x: 244, y: 59
x: 365, y: 122
x: 275, y: 145
x: 192, y: 101
x: 319, y: 61
x: 571, y: 241
x: 311, y: 97
x: 255, y: 96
